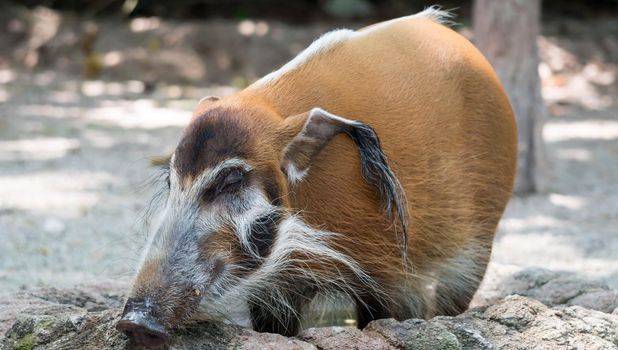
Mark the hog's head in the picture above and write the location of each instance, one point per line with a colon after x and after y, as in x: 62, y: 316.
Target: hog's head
x: 225, y: 221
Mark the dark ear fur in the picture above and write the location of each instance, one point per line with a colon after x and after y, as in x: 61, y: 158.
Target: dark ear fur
x: 319, y: 128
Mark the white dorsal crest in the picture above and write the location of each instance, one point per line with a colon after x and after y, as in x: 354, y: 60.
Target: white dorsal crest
x: 334, y: 38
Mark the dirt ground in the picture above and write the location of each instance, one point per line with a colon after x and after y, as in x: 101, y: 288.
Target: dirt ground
x: 74, y: 171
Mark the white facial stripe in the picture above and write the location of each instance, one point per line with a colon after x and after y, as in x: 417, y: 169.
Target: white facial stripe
x: 259, y: 206
x: 336, y: 37
x: 296, y: 248
x: 180, y: 208
x: 252, y: 204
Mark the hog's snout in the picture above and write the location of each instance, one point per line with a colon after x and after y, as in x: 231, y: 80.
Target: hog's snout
x: 141, y: 326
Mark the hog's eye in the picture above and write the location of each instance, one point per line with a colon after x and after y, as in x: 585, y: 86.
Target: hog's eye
x: 231, y: 182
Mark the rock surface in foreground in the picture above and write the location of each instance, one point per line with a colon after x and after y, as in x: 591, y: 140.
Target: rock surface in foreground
x: 515, y: 322
x: 84, y: 318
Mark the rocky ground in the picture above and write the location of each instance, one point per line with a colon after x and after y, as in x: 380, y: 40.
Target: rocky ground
x: 74, y: 177
x: 550, y: 311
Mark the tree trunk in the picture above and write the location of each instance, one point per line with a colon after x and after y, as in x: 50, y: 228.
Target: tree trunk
x: 506, y: 32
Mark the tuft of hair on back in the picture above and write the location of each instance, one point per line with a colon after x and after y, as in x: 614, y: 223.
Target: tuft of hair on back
x: 437, y: 14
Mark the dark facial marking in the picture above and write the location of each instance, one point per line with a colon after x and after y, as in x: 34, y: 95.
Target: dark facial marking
x: 271, y: 187
x: 263, y: 231
x: 211, y: 138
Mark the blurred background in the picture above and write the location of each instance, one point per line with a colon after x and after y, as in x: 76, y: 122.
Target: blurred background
x: 89, y: 90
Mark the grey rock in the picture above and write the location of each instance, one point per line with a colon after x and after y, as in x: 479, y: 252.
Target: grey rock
x: 602, y: 300
x: 560, y: 288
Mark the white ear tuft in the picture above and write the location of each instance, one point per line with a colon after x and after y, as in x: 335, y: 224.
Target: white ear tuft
x: 294, y: 174
x: 319, y: 128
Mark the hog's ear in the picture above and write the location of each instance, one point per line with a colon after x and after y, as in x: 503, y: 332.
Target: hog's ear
x: 310, y: 133
x: 204, y: 104
x: 208, y: 99
x: 318, y: 129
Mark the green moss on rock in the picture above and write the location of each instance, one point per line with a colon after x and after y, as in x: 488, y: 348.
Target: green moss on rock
x: 26, y: 342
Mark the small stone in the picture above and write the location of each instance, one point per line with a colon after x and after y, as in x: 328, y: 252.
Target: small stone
x: 519, y: 317
x: 76, y: 321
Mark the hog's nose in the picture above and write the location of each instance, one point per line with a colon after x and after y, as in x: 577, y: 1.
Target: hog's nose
x: 141, y: 327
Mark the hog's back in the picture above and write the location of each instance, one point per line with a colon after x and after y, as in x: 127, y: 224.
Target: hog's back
x: 445, y: 125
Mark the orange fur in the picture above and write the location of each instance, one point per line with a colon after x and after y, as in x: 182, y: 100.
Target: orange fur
x: 447, y: 128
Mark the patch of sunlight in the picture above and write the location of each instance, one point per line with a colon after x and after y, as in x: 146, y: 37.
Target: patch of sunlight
x: 7, y: 76
x: 99, y: 139
x: 173, y: 91
x: 141, y: 114
x: 144, y: 24
x: 44, y: 79
x: 577, y: 154
x: 63, y: 96
x: 49, y: 110
x: 135, y: 86
x: 588, y: 129
x: 522, y: 248
x: 113, y: 58
x: 63, y: 193
x: 531, y: 222
x: 569, y: 202
x: 4, y: 95
x: 95, y: 88
x: 552, y: 252
x: 578, y: 89
x: 37, y: 149
x: 249, y: 28
x: 595, y: 73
